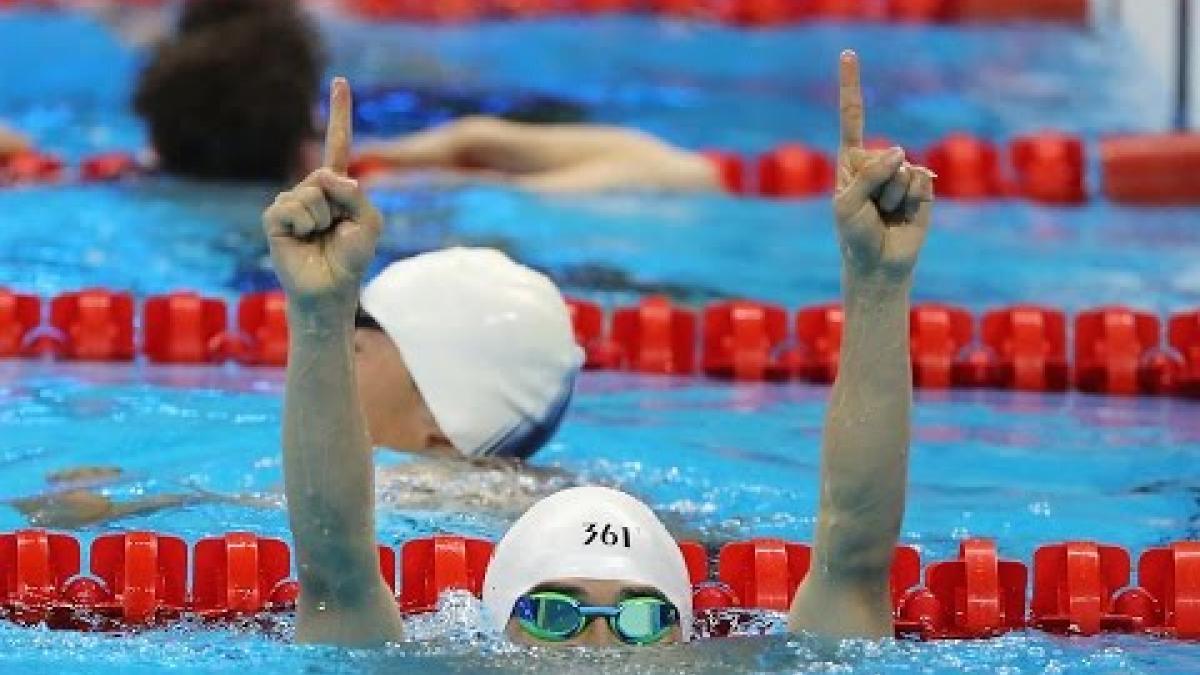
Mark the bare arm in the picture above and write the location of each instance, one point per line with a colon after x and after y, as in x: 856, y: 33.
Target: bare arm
x: 11, y: 142
x: 74, y: 509
x: 882, y: 208
x: 322, y: 236
x: 561, y: 158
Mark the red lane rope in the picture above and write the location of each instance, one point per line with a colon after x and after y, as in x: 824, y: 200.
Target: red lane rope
x: 1113, y: 350
x: 1046, y: 167
x: 141, y: 578
x: 743, y: 13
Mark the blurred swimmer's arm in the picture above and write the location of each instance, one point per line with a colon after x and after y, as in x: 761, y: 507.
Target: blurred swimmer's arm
x: 563, y: 158
x: 81, y: 508
x: 11, y: 142
x: 322, y: 236
x: 138, y: 24
x: 882, y: 207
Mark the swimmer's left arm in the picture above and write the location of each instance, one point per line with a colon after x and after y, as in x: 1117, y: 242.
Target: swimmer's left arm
x: 883, y: 210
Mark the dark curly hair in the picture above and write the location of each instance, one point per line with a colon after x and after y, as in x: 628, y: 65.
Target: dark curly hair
x: 231, y: 94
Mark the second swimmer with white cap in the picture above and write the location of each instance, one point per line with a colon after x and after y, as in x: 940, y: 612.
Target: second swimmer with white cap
x: 450, y: 369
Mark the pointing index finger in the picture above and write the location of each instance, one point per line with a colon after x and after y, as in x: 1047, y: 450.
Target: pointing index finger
x: 851, y: 101
x: 340, y: 133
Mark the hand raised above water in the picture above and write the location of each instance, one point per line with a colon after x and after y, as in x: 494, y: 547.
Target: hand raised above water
x: 882, y: 203
x: 322, y: 233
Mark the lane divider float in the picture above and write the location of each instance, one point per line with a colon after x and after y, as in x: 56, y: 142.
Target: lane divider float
x: 1114, y: 350
x: 1047, y: 167
x: 140, y: 579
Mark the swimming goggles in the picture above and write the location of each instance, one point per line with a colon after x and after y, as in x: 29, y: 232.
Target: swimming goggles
x: 551, y: 616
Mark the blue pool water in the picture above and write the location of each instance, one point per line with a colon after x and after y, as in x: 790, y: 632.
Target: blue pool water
x: 720, y: 461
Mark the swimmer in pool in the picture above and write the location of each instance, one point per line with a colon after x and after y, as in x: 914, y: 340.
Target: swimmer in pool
x: 231, y: 96
x: 586, y: 554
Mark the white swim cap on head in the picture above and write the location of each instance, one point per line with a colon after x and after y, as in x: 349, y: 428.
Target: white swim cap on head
x: 586, y: 533
x: 488, y: 342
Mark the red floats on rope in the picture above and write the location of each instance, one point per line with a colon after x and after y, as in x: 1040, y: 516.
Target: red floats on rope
x: 1171, y: 577
x: 262, y: 320
x: 523, y: 8
x: 656, y: 337
x: 976, y: 596
x: 1149, y: 169
x: 730, y: 168
x: 438, y: 564
x: 446, y: 11
x: 967, y: 167
x: 184, y: 328
x: 1183, y: 335
x: 365, y: 166
x: 239, y: 574
x: 1074, y: 585
x: 696, y: 560
x: 30, y: 167
x: 906, y: 575
x: 1049, y: 168
x: 919, y: 11
x: 19, y: 314
x: 759, y: 13
x: 34, y: 564
x: 378, y: 9
x: 1117, y: 352
x: 741, y: 341
x: 763, y: 573
x: 601, y: 6
x: 819, y: 336
x: 848, y: 9
x: 1068, y: 11
x: 109, y: 167
x: 681, y: 8
x: 443, y: 11
x: 145, y: 575
x: 1030, y: 348
x: 140, y: 578
x: 794, y: 171
x: 95, y: 325
x: 587, y: 319
x: 937, y: 333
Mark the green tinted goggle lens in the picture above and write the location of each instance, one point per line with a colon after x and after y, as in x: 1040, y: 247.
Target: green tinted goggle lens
x: 556, y: 617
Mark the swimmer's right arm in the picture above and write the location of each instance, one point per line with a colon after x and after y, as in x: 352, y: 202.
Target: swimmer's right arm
x: 322, y: 236
x: 883, y: 208
x: 11, y: 142
x: 551, y: 158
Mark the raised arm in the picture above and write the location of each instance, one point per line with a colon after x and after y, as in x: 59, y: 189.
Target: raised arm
x: 322, y: 236
x: 882, y: 206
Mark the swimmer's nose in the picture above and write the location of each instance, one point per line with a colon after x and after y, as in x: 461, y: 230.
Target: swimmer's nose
x: 598, y: 634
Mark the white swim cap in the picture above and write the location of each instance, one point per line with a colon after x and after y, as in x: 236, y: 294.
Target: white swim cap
x: 488, y: 342
x: 586, y: 533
